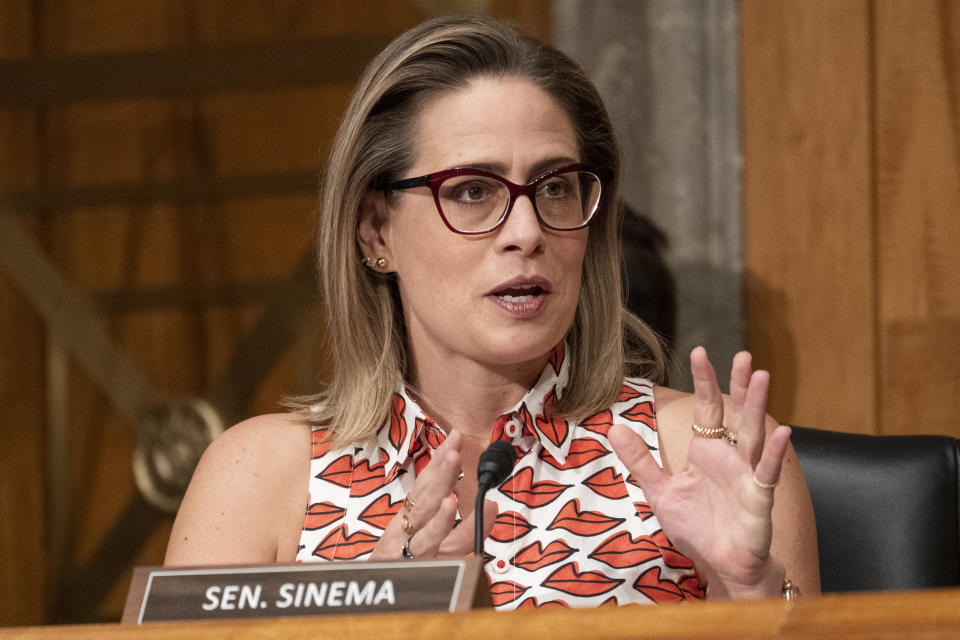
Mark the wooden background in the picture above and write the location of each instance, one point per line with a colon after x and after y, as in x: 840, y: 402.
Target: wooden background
x: 852, y: 210
x: 178, y: 211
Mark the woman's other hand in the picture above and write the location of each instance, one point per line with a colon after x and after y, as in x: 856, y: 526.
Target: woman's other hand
x: 718, y: 509
x: 427, y: 521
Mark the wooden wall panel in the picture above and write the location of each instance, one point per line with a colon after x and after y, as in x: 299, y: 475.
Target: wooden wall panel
x: 809, y: 291
x: 918, y: 208
x: 857, y: 288
x: 23, y: 539
x: 23, y: 534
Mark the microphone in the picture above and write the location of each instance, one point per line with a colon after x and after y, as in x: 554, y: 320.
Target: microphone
x: 496, y: 463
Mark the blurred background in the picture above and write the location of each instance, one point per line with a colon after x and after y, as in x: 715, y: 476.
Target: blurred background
x: 792, y: 173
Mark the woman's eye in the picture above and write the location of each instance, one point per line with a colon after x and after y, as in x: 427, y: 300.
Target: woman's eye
x: 473, y: 191
x: 555, y: 188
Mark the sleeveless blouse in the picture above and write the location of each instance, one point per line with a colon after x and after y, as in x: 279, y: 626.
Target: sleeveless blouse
x: 573, y: 529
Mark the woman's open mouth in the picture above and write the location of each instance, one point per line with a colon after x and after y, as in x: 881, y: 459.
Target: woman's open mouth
x: 522, y: 297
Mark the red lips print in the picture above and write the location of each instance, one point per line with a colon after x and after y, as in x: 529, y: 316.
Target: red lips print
x: 692, y: 587
x: 320, y: 514
x: 534, y: 556
x: 621, y: 551
x: 398, y: 426
x: 525, y: 418
x: 553, y: 429
x: 582, y: 523
x: 319, y: 445
x: 607, y: 483
x: 367, y: 478
x: 556, y: 357
x: 431, y: 432
x: 651, y: 585
x: 339, y: 471
x: 628, y: 393
x: 641, y: 412
x: 340, y: 544
x: 507, y: 591
x: 599, y: 422
x: 582, y: 451
x: 532, y: 603
x: 671, y: 557
x: 643, y: 510
x: 421, y: 460
x: 510, y: 526
x: 569, y: 579
x: 521, y: 488
x: 380, y: 512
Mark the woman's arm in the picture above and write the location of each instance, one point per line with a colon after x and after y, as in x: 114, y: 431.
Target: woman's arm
x: 246, y: 501
x: 794, y: 529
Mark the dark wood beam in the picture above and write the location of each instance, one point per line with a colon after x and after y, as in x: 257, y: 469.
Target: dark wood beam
x: 184, y: 72
x: 65, y: 198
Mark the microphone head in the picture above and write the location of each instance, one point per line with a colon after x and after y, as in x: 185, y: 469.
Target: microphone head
x: 496, y: 463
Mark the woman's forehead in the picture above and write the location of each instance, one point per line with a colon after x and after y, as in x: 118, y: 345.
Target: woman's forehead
x: 501, y: 123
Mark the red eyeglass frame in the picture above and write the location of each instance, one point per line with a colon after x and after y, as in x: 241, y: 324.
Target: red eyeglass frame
x: 434, y: 180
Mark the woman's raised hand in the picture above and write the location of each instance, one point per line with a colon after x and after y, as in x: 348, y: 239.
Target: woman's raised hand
x: 717, y: 510
x: 427, y: 522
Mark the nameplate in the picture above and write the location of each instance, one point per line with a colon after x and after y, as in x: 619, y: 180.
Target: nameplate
x: 330, y: 588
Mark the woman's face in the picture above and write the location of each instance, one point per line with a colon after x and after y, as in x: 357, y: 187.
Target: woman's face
x: 504, y: 298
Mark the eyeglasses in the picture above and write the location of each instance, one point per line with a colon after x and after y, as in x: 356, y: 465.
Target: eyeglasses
x: 472, y: 201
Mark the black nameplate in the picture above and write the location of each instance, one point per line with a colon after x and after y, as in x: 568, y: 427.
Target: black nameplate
x: 334, y: 588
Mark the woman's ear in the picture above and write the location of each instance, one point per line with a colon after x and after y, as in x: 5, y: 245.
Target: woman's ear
x: 372, y: 231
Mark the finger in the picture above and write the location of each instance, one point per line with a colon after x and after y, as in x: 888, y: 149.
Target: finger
x: 425, y: 542
x: 707, y: 399
x: 635, y: 455
x: 740, y: 372
x: 431, y: 486
x: 771, y: 462
x: 753, y: 418
x: 435, y: 482
x: 459, y: 542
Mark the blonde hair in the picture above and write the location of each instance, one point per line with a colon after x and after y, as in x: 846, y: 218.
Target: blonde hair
x: 376, y: 144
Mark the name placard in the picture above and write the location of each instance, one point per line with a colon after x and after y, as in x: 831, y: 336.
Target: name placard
x: 331, y: 588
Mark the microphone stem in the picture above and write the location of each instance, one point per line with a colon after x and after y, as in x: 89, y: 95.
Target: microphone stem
x: 478, y: 521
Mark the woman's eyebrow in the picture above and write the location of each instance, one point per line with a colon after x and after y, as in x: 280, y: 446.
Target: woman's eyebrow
x: 538, y: 169
x: 549, y: 164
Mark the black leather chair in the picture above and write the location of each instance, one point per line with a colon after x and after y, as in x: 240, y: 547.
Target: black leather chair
x: 887, y: 508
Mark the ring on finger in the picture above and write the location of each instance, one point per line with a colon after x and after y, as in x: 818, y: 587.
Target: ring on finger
x: 409, y: 503
x: 764, y: 485
x: 731, y: 437
x: 405, y: 552
x: 407, y: 526
x: 708, y: 432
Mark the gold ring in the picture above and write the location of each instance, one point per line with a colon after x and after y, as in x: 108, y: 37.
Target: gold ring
x: 407, y: 526
x: 405, y: 551
x: 409, y: 503
x: 707, y: 432
x: 764, y: 485
x: 731, y: 437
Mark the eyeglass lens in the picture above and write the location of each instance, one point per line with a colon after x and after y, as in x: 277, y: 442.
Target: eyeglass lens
x: 473, y: 203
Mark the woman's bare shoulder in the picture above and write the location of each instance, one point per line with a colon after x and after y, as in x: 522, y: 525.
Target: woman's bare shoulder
x: 257, y: 458
x: 674, y: 407
x: 246, y: 498
x: 271, y: 440
x: 674, y: 412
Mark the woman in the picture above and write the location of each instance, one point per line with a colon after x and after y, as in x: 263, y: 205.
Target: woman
x: 469, y: 262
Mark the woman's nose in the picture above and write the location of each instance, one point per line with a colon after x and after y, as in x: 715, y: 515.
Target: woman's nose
x: 521, y: 231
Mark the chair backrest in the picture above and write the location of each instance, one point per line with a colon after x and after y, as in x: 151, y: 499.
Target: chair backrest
x: 887, y: 508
